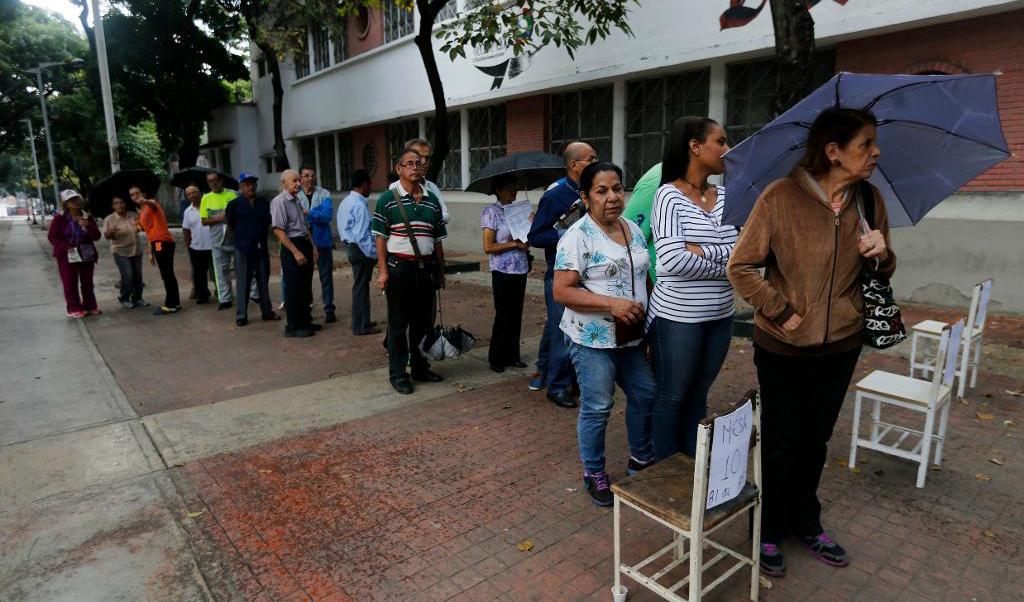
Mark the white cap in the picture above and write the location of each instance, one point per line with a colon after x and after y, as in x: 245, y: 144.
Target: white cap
x: 67, y: 195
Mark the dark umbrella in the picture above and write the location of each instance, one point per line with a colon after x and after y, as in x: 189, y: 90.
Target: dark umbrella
x: 197, y: 176
x: 533, y: 169
x: 117, y: 185
x: 936, y: 133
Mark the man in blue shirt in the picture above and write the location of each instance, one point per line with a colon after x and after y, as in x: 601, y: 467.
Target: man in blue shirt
x: 249, y: 217
x: 354, y: 230
x: 554, y: 367
x: 321, y: 212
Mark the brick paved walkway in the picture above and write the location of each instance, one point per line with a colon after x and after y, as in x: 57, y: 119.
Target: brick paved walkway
x: 431, y: 502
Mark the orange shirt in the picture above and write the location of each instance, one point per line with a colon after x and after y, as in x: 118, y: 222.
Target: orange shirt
x: 154, y: 223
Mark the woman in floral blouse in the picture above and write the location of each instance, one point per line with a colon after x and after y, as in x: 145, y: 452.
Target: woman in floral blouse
x: 601, y: 278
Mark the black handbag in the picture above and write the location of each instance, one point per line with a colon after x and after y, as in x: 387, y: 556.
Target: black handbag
x: 883, y: 322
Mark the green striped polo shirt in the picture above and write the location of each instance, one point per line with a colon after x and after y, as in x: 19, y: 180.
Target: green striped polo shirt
x: 424, y: 217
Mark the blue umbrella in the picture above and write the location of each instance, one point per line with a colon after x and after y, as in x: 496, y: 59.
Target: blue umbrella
x: 936, y: 133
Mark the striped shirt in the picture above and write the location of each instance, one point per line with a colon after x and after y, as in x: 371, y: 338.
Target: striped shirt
x: 690, y: 288
x: 424, y: 218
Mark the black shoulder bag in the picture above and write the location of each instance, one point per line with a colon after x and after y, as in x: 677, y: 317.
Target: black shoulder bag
x: 627, y: 333
x: 883, y: 322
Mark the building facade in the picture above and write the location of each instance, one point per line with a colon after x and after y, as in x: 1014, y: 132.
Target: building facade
x: 351, y: 99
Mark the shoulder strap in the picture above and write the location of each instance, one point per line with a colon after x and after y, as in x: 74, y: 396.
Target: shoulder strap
x: 408, y: 227
x: 868, y: 195
x: 629, y: 254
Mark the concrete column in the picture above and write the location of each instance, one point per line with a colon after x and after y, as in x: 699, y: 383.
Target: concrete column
x: 619, y: 122
x: 464, y: 144
x: 422, y: 123
x: 337, y: 158
x: 717, y: 102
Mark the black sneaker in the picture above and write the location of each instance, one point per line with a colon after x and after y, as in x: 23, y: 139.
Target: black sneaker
x: 599, y: 487
x: 271, y: 317
x: 636, y: 466
x: 427, y: 376
x: 773, y: 563
x: 402, y: 385
x: 330, y: 317
x: 241, y: 321
x: 224, y: 305
x: 300, y: 333
x: 826, y: 549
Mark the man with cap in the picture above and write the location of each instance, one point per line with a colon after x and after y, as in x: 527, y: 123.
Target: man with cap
x: 248, y: 216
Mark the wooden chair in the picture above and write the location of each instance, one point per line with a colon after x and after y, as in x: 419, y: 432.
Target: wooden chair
x: 674, y: 493
x: 932, y: 398
x: 929, y: 331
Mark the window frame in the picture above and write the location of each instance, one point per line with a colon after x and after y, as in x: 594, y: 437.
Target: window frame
x: 490, y: 116
x: 560, y: 134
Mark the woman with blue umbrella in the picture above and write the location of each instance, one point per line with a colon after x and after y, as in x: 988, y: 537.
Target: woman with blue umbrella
x: 806, y: 233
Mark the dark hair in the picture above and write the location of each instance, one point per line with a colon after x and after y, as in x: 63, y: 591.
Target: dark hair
x: 676, y: 157
x: 590, y: 172
x: 360, y: 177
x: 502, y: 180
x: 306, y: 166
x: 832, y: 125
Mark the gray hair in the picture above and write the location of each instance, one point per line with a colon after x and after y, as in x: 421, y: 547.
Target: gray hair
x: 418, y: 142
x: 288, y: 172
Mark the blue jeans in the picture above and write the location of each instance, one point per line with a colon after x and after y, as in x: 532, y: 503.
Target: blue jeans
x: 598, y: 371
x: 687, y: 358
x: 558, y: 373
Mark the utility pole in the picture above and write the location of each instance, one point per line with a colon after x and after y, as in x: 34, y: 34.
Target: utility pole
x: 35, y: 164
x: 108, y: 104
x: 49, y: 134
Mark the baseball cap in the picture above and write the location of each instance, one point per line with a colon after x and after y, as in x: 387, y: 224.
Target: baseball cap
x: 66, y: 195
x: 242, y: 177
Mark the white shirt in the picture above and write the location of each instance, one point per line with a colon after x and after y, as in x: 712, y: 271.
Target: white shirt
x: 202, y: 240
x: 604, y: 268
x: 690, y: 288
x: 433, y: 189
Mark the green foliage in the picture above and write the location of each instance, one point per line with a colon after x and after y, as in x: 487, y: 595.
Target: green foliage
x: 238, y: 91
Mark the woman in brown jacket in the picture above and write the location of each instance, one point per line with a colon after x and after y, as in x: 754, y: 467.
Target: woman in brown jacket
x: 806, y: 232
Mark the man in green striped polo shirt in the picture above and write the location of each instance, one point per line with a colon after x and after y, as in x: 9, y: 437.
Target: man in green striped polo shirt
x: 408, y: 229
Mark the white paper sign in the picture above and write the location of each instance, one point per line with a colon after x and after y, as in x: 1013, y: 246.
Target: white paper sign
x: 952, y: 350
x: 729, y: 449
x: 517, y: 214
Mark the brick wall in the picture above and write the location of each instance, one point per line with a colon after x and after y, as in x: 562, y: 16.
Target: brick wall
x: 374, y: 35
x: 372, y: 135
x: 527, y: 123
x: 980, y: 45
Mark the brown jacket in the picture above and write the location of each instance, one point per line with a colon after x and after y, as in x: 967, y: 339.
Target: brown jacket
x: 811, y: 267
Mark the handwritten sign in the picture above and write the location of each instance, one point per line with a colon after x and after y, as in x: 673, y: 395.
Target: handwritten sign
x: 729, y: 449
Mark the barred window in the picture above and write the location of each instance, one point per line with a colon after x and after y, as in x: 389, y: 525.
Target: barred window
x: 450, y: 11
x: 399, y: 21
x: 307, y: 152
x: 321, y: 48
x: 224, y: 163
x: 345, y: 161
x: 338, y: 38
x: 584, y: 115
x: 397, y: 133
x: 651, y: 107
x: 450, y: 176
x: 486, y: 136
x: 750, y: 90
x: 327, y: 173
x: 302, y: 59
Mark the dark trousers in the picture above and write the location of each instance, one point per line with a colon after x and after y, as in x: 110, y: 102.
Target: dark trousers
x: 362, y: 272
x: 801, y: 398
x: 73, y: 276
x: 163, y: 252
x: 250, y: 267
x: 130, y: 269
x: 559, y: 375
x: 509, y: 291
x: 299, y: 293
x: 201, y: 262
x: 325, y: 267
x: 687, y: 358
x: 410, y: 296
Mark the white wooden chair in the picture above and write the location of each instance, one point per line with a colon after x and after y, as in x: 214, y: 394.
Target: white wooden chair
x: 928, y: 332
x: 930, y: 397
x: 674, y: 493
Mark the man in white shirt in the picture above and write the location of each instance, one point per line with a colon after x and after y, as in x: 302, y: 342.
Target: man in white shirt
x: 199, y: 243
x: 426, y: 151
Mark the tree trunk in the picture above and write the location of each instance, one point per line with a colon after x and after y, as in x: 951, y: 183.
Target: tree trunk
x: 794, y: 52
x: 274, y: 67
x: 424, y: 42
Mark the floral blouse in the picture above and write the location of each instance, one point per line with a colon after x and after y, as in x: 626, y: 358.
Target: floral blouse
x: 511, y: 261
x: 604, y: 269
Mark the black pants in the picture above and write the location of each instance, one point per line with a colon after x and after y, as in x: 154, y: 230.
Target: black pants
x: 201, y: 262
x: 362, y: 272
x: 130, y: 269
x: 410, y: 295
x: 299, y: 292
x: 801, y: 399
x: 509, y: 291
x: 163, y: 252
x: 249, y: 267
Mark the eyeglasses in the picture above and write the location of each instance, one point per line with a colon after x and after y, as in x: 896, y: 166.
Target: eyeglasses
x: 413, y: 164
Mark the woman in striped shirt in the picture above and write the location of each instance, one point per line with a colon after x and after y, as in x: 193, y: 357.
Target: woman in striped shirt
x: 691, y: 307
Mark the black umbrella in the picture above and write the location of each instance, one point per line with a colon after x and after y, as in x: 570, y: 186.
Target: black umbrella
x: 533, y: 169
x: 117, y: 185
x: 197, y: 176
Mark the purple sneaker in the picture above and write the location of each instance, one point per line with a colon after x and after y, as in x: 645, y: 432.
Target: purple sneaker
x: 826, y: 549
x: 599, y: 487
x: 773, y: 563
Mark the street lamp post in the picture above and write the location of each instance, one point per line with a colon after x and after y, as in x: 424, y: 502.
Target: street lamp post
x: 38, y: 70
x: 35, y: 164
x: 108, y: 104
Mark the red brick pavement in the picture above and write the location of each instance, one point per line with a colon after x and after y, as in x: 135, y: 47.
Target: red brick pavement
x: 430, y: 502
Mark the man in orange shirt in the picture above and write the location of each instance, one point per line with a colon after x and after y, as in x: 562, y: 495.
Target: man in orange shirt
x: 153, y: 223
